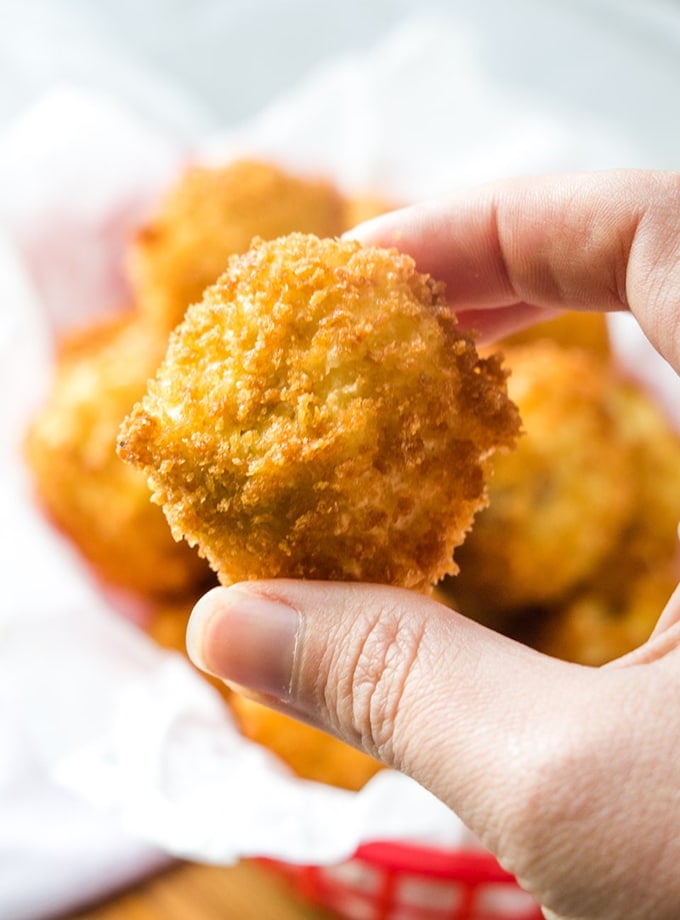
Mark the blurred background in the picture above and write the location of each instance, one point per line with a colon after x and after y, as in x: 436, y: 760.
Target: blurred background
x: 197, y: 67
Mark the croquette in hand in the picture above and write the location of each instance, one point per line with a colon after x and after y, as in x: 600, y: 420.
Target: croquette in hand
x: 320, y: 415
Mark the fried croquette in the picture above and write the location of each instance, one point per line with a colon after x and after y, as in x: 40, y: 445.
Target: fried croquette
x: 605, y: 621
x: 320, y: 415
x: 213, y: 213
x: 619, y: 609
x: 653, y: 444
x: 102, y: 504
x: 559, y: 502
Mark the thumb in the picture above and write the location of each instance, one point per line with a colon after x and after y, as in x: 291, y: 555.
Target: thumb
x: 466, y: 712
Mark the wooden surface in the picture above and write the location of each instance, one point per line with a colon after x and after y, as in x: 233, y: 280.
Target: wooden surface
x: 192, y: 892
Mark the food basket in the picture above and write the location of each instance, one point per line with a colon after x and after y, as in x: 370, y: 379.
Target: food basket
x: 403, y: 881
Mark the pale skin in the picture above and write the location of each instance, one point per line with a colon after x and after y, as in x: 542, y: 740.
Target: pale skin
x: 570, y: 775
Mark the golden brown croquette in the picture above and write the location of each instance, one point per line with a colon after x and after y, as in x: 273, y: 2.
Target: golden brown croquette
x: 320, y: 415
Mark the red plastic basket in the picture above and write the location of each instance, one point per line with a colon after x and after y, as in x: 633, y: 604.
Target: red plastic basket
x: 399, y: 881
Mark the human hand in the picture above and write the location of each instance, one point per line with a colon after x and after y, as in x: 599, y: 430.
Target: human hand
x: 570, y: 775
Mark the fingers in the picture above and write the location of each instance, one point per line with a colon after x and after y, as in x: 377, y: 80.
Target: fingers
x: 553, y: 766
x: 463, y: 710
x: 597, y: 241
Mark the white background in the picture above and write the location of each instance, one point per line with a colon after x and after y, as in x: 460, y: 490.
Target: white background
x: 198, y: 66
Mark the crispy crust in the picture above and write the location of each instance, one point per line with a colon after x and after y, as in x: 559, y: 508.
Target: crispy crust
x: 320, y: 415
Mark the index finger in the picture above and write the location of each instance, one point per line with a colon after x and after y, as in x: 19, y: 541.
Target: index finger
x: 592, y: 241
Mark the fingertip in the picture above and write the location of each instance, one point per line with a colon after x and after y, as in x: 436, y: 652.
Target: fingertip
x: 383, y: 230
x: 364, y: 232
x: 204, y: 610
x: 245, y: 635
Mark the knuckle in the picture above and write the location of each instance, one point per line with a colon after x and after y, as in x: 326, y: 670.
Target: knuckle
x: 376, y: 670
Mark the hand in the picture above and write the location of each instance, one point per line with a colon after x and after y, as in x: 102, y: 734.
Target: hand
x: 570, y: 775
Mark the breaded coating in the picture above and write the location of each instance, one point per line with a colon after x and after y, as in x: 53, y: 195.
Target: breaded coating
x: 102, y: 504
x: 213, y: 213
x: 320, y: 415
x: 561, y: 501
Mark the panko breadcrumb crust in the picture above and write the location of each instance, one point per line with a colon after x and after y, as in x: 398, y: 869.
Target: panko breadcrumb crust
x: 320, y: 415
